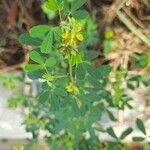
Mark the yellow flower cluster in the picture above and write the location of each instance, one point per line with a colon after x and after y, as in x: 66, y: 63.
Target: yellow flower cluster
x: 72, y: 34
x: 72, y: 88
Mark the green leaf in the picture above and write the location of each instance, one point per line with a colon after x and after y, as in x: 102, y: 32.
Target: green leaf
x: 90, y: 55
x: 35, y: 56
x: 138, y: 139
x: 39, y: 30
x: 50, y: 62
x: 92, y: 71
x: 104, y: 70
x: 32, y: 67
x: 52, y: 5
x: 35, y: 75
x: 46, y: 46
x: 77, y: 4
x: 141, y: 126
x: 28, y: 40
x: 126, y: 133
x: 60, y: 92
x: 44, y: 96
x: 80, y: 14
x: 111, y: 132
x: 111, y: 116
x: 144, y: 60
x: 80, y: 71
x: 54, y: 102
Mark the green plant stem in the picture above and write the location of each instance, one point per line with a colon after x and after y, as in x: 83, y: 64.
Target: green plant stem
x: 70, y: 70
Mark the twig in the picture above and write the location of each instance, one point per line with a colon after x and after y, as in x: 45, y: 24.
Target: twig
x: 130, y: 26
x: 138, y: 22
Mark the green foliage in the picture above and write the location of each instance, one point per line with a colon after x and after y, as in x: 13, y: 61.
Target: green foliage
x: 136, y: 80
x: 126, y: 133
x: 36, y: 57
x: 111, y: 116
x: 118, y: 144
x: 54, y: 5
x: 141, y: 126
x: 111, y: 132
x: 138, y: 139
x: 145, y: 136
x: 140, y: 61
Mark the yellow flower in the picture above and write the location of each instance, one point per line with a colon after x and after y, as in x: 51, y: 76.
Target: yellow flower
x: 72, y: 88
x: 72, y: 36
x: 66, y: 35
x: 79, y: 36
